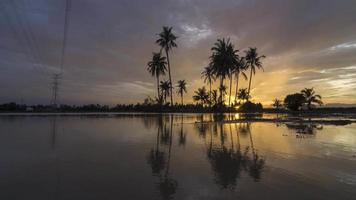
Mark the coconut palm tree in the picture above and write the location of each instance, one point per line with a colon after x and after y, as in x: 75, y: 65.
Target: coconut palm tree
x: 182, y: 88
x: 157, y: 67
x: 232, y: 60
x: 223, y: 92
x: 253, y: 61
x: 311, y: 97
x: 209, y: 77
x: 166, y: 41
x: 165, y: 89
x: 222, y: 61
x: 201, y: 95
x: 243, y: 94
x: 239, y: 68
x: 214, y: 97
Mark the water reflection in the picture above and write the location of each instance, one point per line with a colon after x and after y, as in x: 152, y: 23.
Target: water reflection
x: 223, y: 150
x: 304, y: 128
x: 159, y: 160
x: 228, y: 161
x: 182, y: 134
x: 173, y: 157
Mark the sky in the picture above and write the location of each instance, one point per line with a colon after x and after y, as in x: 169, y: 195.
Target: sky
x: 109, y: 42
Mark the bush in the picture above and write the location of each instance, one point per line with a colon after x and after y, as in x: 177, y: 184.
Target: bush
x: 294, y: 101
x: 250, y: 107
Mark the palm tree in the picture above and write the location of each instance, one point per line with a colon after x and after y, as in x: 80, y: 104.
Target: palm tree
x: 222, y: 61
x: 181, y: 84
x: 167, y: 41
x: 201, y: 95
x: 222, y: 89
x: 165, y: 89
x: 277, y: 104
x: 243, y: 94
x: 208, y: 76
x: 239, y: 69
x: 214, y: 97
x: 253, y: 61
x: 157, y: 67
x: 311, y: 97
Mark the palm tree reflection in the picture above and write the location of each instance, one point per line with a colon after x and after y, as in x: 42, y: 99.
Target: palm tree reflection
x: 156, y: 157
x: 182, y: 134
x: 304, y: 128
x: 228, y: 156
x: 159, y: 160
x: 229, y: 161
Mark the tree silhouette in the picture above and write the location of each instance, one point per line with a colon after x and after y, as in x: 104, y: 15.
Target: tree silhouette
x: 277, y: 103
x: 242, y: 95
x: 239, y: 68
x: 223, y: 59
x: 166, y: 41
x: 294, y: 101
x: 165, y: 89
x: 209, y: 77
x: 182, y: 88
x: 311, y: 97
x: 253, y: 61
x: 157, y: 67
x: 201, y: 96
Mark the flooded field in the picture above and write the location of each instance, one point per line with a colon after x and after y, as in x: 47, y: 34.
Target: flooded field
x: 180, y: 156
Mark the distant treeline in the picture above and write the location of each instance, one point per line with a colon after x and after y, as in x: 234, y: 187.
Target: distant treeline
x: 144, y: 107
x: 14, y: 107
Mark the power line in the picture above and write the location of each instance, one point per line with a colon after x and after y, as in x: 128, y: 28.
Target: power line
x: 28, y: 40
x: 65, y: 33
x: 57, y: 76
x: 55, y: 86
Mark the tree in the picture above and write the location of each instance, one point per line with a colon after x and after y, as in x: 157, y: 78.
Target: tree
x: 209, y: 77
x: 253, y: 61
x: 243, y: 95
x: 222, y: 89
x: 165, y: 89
x: 182, y: 88
x: 201, y: 95
x: 239, y: 69
x: 294, y: 101
x: 277, y: 104
x: 214, y: 97
x: 222, y: 61
x: 311, y: 97
x: 232, y: 63
x: 167, y: 41
x: 157, y: 67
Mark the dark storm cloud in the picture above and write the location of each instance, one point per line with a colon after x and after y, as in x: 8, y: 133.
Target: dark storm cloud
x: 110, y: 42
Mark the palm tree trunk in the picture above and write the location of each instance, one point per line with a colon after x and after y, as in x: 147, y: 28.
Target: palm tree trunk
x: 181, y: 96
x: 158, y: 87
x: 230, y: 89
x: 170, y: 78
x: 221, y: 86
x: 249, y: 85
x: 209, y: 93
x: 237, y: 85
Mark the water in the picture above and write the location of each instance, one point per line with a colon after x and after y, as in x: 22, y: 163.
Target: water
x: 172, y: 157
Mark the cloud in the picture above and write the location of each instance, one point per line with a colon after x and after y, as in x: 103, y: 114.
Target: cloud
x: 110, y: 43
